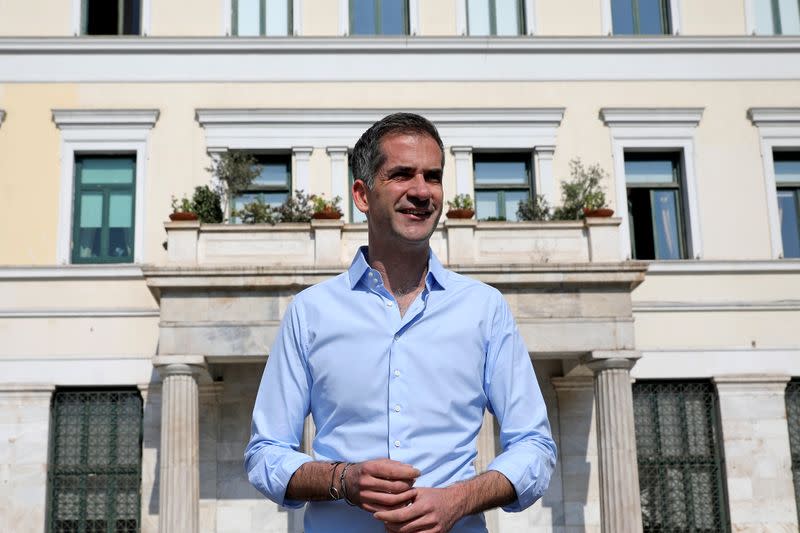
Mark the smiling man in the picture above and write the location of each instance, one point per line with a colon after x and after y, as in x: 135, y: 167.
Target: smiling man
x: 397, y: 359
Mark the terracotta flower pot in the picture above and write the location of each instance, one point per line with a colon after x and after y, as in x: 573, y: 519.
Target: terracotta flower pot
x: 460, y: 213
x: 329, y: 214
x: 602, y: 212
x: 182, y: 215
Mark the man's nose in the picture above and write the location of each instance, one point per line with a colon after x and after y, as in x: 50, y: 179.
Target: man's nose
x: 419, y: 188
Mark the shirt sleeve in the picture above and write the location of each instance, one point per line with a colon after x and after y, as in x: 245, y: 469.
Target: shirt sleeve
x: 529, y: 453
x: 272, y: 457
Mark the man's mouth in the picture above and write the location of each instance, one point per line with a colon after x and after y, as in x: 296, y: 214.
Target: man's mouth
x: 418, y: 213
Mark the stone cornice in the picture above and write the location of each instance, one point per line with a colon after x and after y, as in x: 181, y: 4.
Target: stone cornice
x: 774, y: 116
x: 87, y: 118
x: 638, y: 116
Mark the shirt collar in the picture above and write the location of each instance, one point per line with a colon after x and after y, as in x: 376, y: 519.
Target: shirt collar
x: 436, y: 277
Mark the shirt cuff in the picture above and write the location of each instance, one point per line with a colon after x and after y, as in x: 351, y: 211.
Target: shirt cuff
x: 285, y: 472
x: 529, y: 480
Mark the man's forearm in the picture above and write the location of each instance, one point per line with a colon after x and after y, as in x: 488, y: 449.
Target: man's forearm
x: 313, y: 480
x: 486, y: 491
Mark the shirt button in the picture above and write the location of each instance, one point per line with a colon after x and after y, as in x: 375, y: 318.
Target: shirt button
x: 389, y: 304
x: 397, y: 444
x: 396, y: 408
x: 397, y: 373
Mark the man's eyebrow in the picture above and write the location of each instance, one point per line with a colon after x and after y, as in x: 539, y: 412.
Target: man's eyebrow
x: 401, y: 169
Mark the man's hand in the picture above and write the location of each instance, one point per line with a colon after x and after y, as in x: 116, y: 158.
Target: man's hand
x: 433, y: 511
x: 381, y: 484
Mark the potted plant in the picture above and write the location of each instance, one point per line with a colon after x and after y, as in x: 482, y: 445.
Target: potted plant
x: 461, y: 206
x: 535, y: 208
x: 206, y: 205
x: 182, y: 209
x: 234, y: 171
x: 297, y: 208
x: 326, y: 209
x: 582, y: 195
x: 257, y: 212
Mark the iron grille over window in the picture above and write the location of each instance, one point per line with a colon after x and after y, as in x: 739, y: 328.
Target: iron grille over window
x: 678, y: 448
x: 793, y: 416
x: 95, y: 467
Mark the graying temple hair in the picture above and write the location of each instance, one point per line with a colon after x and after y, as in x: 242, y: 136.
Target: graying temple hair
x: 367, y: 156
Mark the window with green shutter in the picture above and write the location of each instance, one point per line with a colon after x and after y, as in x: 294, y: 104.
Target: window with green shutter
x: 95, y: 470
x: 679, y: 453
x: 103, y: 213
x: 793, y: 418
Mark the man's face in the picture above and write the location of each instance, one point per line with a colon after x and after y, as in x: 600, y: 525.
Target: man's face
x: 405, y: 202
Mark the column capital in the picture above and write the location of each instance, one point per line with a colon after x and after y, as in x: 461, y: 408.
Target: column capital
x: 303, y: 152
x: 544, y: 150
x: 600, y: 360
x: 337, y: 151
x: 182, y: 365
x: 752, y: 383
x: 462, y: 151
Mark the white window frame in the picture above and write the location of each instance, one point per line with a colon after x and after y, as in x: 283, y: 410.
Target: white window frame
x: 76, y: 17
x: 778, y: 127
x: 87, y: 131
x: 656, y: 129
x: 526, y: 129
x: 227, y: 17
x: 461, y: 17
x: 344, y: 17
x: 674, y: 17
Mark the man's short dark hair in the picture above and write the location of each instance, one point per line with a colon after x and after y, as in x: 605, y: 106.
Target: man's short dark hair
x: 367, y: 156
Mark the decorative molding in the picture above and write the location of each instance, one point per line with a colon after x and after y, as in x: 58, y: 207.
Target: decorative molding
x: 696, y: 307
x: 79, y: 313
x: 655, y: 128
x: 489, y: 128
x: 724, y: 267
x: 607, y: 22
x: 716, y: 361
x: 102, y: 131
x: 66, y: 272
x: 446, y: 59
x: 778, y: 127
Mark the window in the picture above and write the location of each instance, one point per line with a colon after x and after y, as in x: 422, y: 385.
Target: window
x: 262, y: 17
x: 678, y: 450
x: 501, y: 181
x: 103, y: 225
x: 787, y: 181
x: 111, y: 17
x: 495, y: 17
x: 776, y: 17
x: 379, y: 17
x: 641, y: 17
x: 273, y: 184
x: 95, y: 470
x: 655, y: 212
x: 793, y: 417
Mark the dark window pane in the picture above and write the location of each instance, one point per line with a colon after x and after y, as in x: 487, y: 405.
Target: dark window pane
x: 790, y: 224
x: 393, y: 17
x: 651, y: 17
x: 641, y: 223
x: 362, y: 17
x: 622, y: 17
x: 787, y: 167
x: 132, y: 20
x: 665, y: 222
x: 274, y: 172
x: 102, y: 17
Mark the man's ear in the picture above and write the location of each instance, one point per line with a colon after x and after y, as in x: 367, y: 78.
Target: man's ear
x: 360, y: 195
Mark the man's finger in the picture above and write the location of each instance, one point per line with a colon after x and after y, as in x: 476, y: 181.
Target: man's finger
x: 382, y: 485
x: 387, y: 500
x: 388, y: 469
x: 401, y: 515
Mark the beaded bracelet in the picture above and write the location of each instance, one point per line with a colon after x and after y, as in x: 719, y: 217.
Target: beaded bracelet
x: 344, y: 486
x: 332, y: 490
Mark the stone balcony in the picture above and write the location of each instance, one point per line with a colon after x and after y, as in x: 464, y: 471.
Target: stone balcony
x: 327, y: 243
x: 225, y: 288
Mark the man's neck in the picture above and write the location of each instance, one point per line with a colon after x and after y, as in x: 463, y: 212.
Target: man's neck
x: 403, y: 270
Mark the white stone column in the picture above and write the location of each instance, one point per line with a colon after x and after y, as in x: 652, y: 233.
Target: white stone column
x: 210, y: 397
x: 302, y: 168
x: 339, y: 177
x: 577, y: 446
x: 24, y: 438
x: 620, y: 504
x: 486, y: 454
x: 463, y: 157
x: 180, y: 442
x: 758, y: 462
x: 545, y: 181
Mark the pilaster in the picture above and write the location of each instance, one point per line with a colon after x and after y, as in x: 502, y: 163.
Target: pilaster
x: 758, y: 462
x: 620, y: 503
x: 302, y: 168
x: 180, y: 442
x: 339, y: 178
x: 463, y: 157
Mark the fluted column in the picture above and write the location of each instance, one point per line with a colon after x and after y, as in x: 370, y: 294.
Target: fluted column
x: 180, y: 442
x: 620, y: 504
x: 486, y: 454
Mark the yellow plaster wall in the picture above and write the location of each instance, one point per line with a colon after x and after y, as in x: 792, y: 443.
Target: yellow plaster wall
x: 25, y: 18
x: 320, y: 17
x: 30, y: 146
x: 186, y: 18
x: 437, y: 17
x: 712, y: 17
x: 576, y: 17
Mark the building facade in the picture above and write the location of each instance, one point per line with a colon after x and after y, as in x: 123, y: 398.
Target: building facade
x: 665, y: 338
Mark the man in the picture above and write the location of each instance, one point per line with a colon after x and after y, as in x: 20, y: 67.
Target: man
x: 396, y: 359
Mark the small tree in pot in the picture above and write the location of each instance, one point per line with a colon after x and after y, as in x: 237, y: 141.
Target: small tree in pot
x: 234, y: 171
x: 582, y: 194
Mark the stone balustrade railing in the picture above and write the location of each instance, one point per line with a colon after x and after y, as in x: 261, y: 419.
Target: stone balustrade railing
x: 333, y: 243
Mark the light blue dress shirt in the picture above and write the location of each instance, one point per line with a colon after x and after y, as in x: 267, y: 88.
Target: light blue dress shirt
x: 412, y: 388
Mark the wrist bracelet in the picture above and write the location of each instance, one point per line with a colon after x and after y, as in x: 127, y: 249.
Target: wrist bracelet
x: 344, y: 486
x: 332, y: 490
